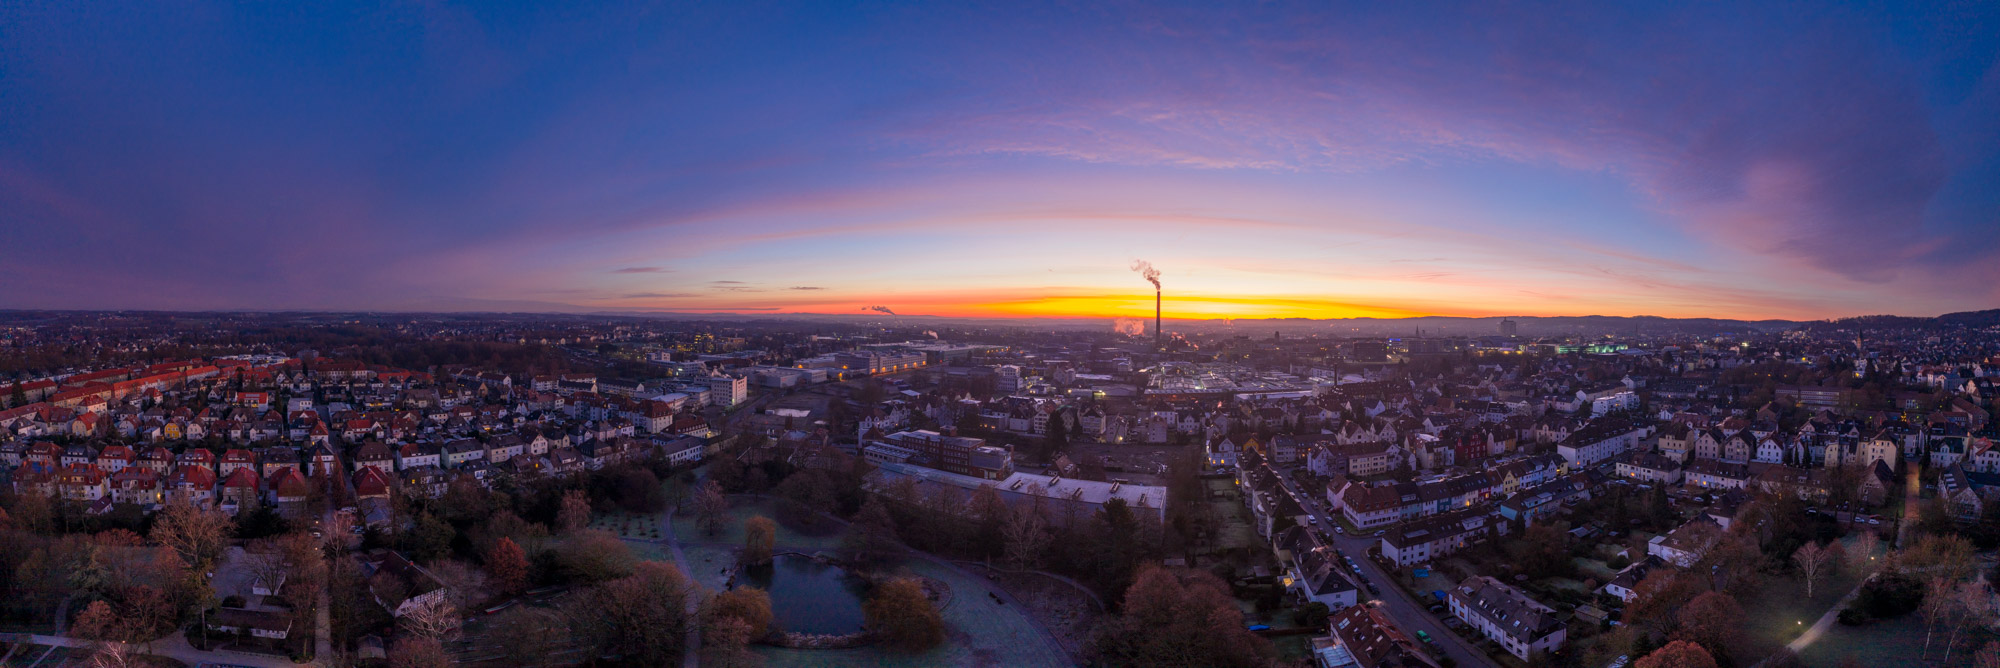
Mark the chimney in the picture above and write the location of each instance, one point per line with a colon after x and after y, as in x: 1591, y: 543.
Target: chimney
x: 1158, y: 346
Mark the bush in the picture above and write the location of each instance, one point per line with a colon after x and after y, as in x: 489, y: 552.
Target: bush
x: 1853, y: 616
x: 1889, y: 596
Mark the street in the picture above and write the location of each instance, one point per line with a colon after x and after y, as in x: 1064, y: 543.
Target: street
x: 1400, y: 606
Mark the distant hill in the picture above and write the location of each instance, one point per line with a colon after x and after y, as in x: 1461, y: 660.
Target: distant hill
x: 1971, y: 319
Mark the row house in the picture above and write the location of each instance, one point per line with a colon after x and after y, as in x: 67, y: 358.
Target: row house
x: 1507, y: 616
x: 1367, y: 507
x: 1716, y: 474
x: 117, y: 459
x: 235, y: 459
x: 78, y: 454
x: 82, y: 483
x: 1329, y: 458
x: 424, y: 481
x: 192, y: 485
x: 1648, y: 467
x: 196, y: 457
x: 374, y: 454
x: 137, y: 485
x: 1880, y: 446
x: 606, y: 452
x: 1525, y: 472
x: 242, y: 490
x: 1422, y: 540
x: 1807, y: 484
x: 459, y: 452
x: 1716, y: 444
x: 1601, y: 440
x: 504, y: 447
x: 418, y: 455
x: 1544, y: 500
x: 278, y: 458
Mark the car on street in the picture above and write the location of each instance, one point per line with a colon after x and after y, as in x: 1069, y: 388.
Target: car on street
x: 1424, y: 637
x: 1379, y: 534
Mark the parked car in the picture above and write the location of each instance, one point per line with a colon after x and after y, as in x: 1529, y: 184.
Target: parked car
x: 1424, y: 637
x: 1436, y: 609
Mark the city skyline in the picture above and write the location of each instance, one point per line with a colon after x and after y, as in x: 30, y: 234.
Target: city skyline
x: 1732, y: 161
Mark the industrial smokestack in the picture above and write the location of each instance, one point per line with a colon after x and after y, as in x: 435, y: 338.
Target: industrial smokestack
x: 1152, y: 275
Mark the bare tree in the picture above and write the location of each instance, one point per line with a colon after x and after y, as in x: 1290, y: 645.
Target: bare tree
x: 1861, y: 560
x: 1027, y: 535
x: 710, y: 508
x: 575, y: 512
x: 464, y: 584
x: 1971, y: 607
x: 197, y: 535
x: 432, y: 618
x: 1812, y: 559
x: 1988, y: 656
x: 1937, y: 608
x: 114, y: 655
x: 338, y: 530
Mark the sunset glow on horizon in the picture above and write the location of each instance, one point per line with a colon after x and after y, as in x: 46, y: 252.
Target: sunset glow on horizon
x: 1279, y: 161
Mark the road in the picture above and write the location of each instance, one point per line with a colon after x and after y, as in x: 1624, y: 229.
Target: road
x: 1407, y: 612
x: 1912, y: 487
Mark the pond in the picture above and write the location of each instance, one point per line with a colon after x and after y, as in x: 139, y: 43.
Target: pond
x: 808, y: 596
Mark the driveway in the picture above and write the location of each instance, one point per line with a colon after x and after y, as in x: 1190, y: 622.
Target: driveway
x: 1912, y: 490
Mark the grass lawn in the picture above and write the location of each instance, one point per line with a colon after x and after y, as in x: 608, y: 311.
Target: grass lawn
x: 1438, y: 580
x: 1894, y: 642
x: 708, y: 564
x: 1293, y: 649
x: 1596, y: 569
x: 741, y: 509
x: 1234, y: 530
x: 628, y: 525
x: 651, y: 552
x: 1780, y: 610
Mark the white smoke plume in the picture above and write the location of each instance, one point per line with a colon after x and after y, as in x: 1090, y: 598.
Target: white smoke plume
x: 1129, y: 327
x: 1146, y: 269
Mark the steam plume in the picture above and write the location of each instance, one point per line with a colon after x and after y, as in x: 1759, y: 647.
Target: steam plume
x: 1129, y: 327
x: 878, y: 309
x: 1146, y: 269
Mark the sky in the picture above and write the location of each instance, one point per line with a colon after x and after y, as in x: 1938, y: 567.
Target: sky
x: 1271, y: 159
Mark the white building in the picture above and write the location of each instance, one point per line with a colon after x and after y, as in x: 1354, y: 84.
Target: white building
x: 1507, y: 616
x: 728, y: 391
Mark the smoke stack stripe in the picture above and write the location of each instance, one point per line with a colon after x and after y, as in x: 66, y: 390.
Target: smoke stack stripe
x: 1157, y: 345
